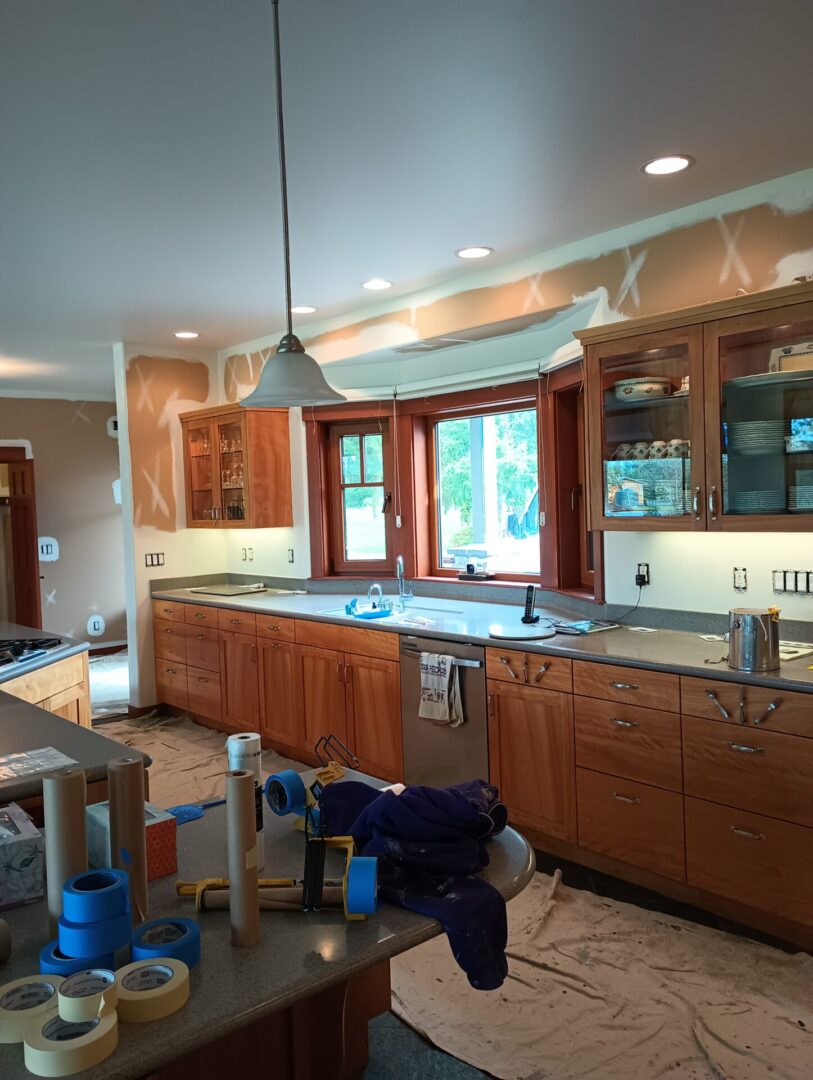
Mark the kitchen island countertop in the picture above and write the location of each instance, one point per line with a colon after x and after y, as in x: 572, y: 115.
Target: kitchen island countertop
x: 69, y: 647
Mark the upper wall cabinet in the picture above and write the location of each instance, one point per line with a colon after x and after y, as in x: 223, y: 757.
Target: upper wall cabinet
x: 237, y: 465
x: 703, y: 418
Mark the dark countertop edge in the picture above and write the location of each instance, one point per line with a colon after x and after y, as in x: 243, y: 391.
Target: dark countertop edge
x: 711, y: 671
x: 51, y: 657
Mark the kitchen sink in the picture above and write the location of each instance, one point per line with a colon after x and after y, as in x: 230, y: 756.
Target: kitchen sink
x: 400, y: 614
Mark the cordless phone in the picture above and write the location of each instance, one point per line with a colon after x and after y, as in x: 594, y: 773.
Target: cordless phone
x: 530, y: 597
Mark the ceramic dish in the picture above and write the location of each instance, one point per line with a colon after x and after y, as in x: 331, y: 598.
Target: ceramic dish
x: 642, y: 389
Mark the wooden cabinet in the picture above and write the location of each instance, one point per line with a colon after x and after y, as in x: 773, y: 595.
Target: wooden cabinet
x: 530, y: 669
x: 761, y: 707
x: 530, y: 739
x: 203, y: 647
x: 699, y: 419
x: 323, y: 693
x: 170, y: 640
x: 374, y: 711
x: 62, y: 687
x: 628, y: 741
x: 170, y: 683
x: 237, y: 467
x: 281, y: 715
x: 239, y: 681
x: 203, y: 693
x: 627, y: 686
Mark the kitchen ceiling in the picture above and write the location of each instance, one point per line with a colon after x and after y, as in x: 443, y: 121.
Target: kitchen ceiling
x: 138, y: 177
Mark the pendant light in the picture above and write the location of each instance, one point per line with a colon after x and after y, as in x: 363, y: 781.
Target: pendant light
x: 291, y: 377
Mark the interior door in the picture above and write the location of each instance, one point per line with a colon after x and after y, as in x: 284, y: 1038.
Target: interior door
x: 531, y: 750
x: 24, y: 540
x: 323, y: 693
x: 281, y: 694
x: 374, y: 695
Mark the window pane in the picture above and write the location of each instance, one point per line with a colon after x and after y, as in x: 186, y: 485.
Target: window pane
x: 351, y: 460
x: 373, y: 459
x: 488, y: 485
x: 364, y: 532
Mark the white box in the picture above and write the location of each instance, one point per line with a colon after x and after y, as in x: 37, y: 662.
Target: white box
x: 22, y: 858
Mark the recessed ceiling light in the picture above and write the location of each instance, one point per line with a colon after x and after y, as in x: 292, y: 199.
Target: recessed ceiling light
x: 663, y: 166
x: 376, y: 283
x: 303, y: 309
x: 476, y: 252
x: 186, y: 334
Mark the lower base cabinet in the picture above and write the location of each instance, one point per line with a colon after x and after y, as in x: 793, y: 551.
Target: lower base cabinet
x: 239, y: 681
x: 62, y: 687
x: 323, y: 694
x: 281, y: 714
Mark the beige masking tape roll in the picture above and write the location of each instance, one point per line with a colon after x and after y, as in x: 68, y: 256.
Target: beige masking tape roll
x: 87, y: 994
x: 244, y: 906
x: 128, y: 829
x: 5, y: 941
x: 57, y: 1047
x: 152, y: 989
x: 66, y: 850
x: 22, y: 1000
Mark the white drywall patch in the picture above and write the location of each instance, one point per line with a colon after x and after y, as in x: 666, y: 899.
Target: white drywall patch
x: 113, y: 427
x: 95, y: 626
x: 117, y: 492
x: 49, y: 549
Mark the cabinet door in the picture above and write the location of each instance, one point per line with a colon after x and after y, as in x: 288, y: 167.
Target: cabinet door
x: 374, y: 709
x: 200, y: 460
x: 530, y: 739
x: 72, y: 704
x: 281, y: 716
x: 645, y: 417
x: 232, y: 477
x: 323, y: 694
x: 759, y: 420
x: 239, y: 683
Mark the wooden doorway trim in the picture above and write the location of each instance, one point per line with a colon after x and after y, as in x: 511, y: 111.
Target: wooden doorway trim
x: 24, y: 536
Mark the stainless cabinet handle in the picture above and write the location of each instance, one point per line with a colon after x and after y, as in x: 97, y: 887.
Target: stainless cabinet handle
x: 726, y: 715
x: 542, y: 669
x: 236, y: 621
x: 743, y: 749
x: 200, y: 616
x: 624, y: 685
x: 273, y: 626
x: 200, y: 637
x: 747, y: 833
x: 625, y: 799
x: 697, y: 498
x: 171, y: 671
x: 273, y: 645
x: 624, y: 723
x: 764, y: 716
x: 506, y: 661
x: 201, y: 679
x: 167, y: 630
x: 169, y: 610
x: 713, y: 503
x: 741, y: 706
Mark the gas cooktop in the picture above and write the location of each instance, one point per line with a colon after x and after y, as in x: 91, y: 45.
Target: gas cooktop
x: 20, y: 650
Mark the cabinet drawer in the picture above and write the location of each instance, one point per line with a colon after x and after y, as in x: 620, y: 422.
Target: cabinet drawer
x: 170, y: 640
x: 170, y: 683
x: 631, y: 822
x: 203, y: 647
x: 762, y: 771
x: 631, y: 686
x: 626, y: 740
x: 530, y: 669
x: 350, y: 639
x: 269, y: 626
x: 244, y: 622
x: 713, y: 698
x: 200, y: 614
x: 168, y: 610
x: 753, y: 859
x: 204, y: 692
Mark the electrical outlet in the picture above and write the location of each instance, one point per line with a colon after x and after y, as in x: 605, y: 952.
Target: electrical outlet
x: 740, y: 578
x: 642, y: 574
x: 251, y: 554
x: 290, y: 554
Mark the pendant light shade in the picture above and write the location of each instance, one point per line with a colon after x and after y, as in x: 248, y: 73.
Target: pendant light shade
x: 290, y: 378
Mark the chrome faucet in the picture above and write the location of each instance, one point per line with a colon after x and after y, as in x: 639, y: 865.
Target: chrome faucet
x: 376, y: 588
x: 403, y: 595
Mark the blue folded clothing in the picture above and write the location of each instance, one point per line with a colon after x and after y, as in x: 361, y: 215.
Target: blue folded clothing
x: 429, y: 842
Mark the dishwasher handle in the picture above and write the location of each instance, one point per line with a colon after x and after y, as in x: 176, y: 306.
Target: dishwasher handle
x: 458, y: 662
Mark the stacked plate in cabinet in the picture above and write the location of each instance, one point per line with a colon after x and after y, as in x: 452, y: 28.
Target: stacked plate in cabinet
x: 754, y: 437
x: 800, y: 499
x: 758, y: 502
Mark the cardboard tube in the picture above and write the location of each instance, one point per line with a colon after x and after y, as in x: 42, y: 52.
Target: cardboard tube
x: 128, y: 830
x: 284, y: 898
x: 66, y: 851
x: 245, y: 751
x: 244, y: 906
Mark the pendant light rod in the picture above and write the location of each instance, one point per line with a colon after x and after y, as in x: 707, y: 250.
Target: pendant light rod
x: 283, y: 174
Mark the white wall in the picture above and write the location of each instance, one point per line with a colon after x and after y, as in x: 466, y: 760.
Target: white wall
x: 693, y: 572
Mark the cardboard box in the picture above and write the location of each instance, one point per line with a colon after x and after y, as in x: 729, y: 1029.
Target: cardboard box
x: 22, y: 858
x: 162, y: 856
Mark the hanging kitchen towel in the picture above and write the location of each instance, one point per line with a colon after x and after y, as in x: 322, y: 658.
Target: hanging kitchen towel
x: 440, y: 690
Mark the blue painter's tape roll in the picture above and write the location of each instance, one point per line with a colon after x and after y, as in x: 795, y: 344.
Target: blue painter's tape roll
x: 54, y: 962
x: 96, y: 895
x: 94, y: 939
x: 362, y: 885
x: 285, y: 793
x: 178, y: 938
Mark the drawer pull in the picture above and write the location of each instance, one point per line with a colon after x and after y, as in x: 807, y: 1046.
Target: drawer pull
x: 726, y: 715
x: 743, y: 749
x: 273, y: 626
x: 199, y: 615
x: 747, y: 833
x: 201, y: 679
x: 507, y: 663
x: 764, y: 716
x: 542, y: 669
x: 274, y: 645
x: 623, y: 685
x: 236, y: 621
x: 167, y: 630
x: 169, y: 610
x: 623, y: 723
x: 625, y: 799
x: 171, y: 671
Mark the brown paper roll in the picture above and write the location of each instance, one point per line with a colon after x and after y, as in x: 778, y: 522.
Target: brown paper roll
x: 282, y: 898
x: 244, y: 906
x: 128, y: 830
x: 66, y: 851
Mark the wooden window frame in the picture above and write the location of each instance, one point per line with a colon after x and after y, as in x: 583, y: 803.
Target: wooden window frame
x: 336, y: 432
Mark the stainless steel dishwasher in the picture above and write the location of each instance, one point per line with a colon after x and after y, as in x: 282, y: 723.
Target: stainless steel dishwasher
x: 438, y: 755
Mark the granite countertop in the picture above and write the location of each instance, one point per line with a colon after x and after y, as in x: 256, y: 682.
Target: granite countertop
x: 298, y: 955
x: 676, y: 651
x: 28, y: 727
x: 69, y: 647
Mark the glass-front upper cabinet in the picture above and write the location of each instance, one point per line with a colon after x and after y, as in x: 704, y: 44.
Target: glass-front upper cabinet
x: 759, y: 422
x: 645, y: 426
x: 201, y: 457
x: 230, y: 434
